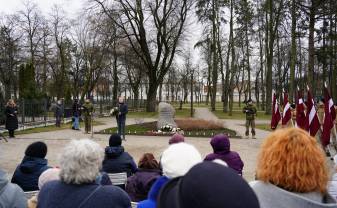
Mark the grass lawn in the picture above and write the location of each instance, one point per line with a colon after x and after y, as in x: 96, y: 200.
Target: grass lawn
x: 50, y: 128
x: 147, y: 128
x: 240, y: 115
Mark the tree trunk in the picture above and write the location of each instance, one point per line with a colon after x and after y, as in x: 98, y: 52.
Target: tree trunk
x: 311, y: 49
x: 215, y: 54
x: 293, y: 54
x: 151, y: 97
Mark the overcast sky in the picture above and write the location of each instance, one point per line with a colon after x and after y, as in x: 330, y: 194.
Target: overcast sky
x: 73, y: 7
x: 70, y: 6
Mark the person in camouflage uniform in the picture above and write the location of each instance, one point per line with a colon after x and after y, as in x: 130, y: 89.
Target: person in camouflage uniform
x: 88, y: 109
x: 250, y: 111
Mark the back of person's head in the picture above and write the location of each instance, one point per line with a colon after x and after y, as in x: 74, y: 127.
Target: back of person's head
x: 177, y: 159
x: 220, y: 142
x: 208, y: 185
x: 148, y: 161
x: 292, y: 159
x: 176, y: 138
x: 81, y: 161
x: 115, y: 140
x: 36, y: 149
x: 50, y: 174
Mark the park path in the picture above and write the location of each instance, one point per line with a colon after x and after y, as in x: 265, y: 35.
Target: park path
x: 236, y: 125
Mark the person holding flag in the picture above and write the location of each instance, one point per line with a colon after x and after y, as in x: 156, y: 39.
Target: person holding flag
x: 300, y: 114
x: 329, y: 117
x: 276, y: 115
x: 312, y: 122
x: 286, y: 117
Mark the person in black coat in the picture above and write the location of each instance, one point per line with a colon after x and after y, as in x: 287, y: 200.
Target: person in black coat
x: 11, y: 117
x: 76, y: 115
x: 121, y: 116
x: 32, y: 166
x: 116, y: 160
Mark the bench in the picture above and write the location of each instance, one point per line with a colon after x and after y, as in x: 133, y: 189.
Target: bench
x: 30, y: 194
x: 118, y: 179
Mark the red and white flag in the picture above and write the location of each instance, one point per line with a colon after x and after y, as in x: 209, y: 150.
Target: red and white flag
x: 276, y: 115
x: 300, y: 115
x: 329, y: 117
x: 286, y: 110
x: 312, y: 121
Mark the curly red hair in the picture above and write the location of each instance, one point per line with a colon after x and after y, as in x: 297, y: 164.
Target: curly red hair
x: 148, y: 161
x: 292, y: 159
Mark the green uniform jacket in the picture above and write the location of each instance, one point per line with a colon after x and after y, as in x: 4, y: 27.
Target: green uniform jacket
x: 250, y: 111
x: 88, y: 108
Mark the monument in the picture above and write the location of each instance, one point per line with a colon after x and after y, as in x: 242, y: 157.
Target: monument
x: 166, y: 115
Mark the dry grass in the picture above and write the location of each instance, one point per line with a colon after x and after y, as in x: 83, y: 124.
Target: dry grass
x: 190, y: 124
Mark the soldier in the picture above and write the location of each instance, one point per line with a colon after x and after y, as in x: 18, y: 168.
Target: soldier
x: 250, y: 111
x: 88, y: 108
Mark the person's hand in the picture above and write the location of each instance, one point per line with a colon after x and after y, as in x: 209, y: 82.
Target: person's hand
x: 119, y: 113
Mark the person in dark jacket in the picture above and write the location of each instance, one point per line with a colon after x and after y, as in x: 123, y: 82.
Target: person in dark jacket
x: 11, y: 195
x: 116, y: 160
x: 221, y: 150
x: 32, y: 166
x: 80, y: 163
x: 11, y: 117
x: 58, y: 113
x: 140, y: 183
x: 151, y: 200
x: 121, y: 116
x: 76, y: 115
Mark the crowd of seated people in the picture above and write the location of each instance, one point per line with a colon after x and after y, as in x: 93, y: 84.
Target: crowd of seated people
x: 291, y: 171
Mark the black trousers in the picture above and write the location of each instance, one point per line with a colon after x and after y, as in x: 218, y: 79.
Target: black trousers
x: 11, y: 133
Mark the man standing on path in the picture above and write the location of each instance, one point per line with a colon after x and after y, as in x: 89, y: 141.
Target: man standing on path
x: 250, y: 111
x: 76, y: 115
x: 58, y: 113
x: 121, y: 116
x: 88, y: 108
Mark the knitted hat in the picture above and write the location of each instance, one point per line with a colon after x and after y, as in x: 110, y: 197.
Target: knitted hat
x: 115, y: 140
x: 36, y: 149
x: 208, y: 185
x: 177, y: 159
x: 50, y: 174
x: 176, y: 138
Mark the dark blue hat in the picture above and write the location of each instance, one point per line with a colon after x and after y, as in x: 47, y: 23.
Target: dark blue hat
x: 115, y: 140
x: 36, y: 149
x: 208, y: 185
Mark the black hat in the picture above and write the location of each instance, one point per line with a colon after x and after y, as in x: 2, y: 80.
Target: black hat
x: 115, y: 140
x: 36, y: 149
x: 208, y: 185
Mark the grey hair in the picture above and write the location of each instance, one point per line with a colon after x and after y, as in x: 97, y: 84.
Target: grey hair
x: 81, y: 161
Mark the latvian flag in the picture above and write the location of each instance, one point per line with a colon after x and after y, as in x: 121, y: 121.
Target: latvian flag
x: 276, y: 115
x: 286, y: 110
x: 329, y: 117
x: 312, y: 121
x: 300, y: 115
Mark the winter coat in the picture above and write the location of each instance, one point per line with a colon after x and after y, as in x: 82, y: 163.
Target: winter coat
x: 122, y: 111
x: 11, y: 195
x: 88, y: 108
x: 139, y: 185
x: 221, y: 149
x: 118, y: 161
x: 151, y: 200
x: 11, y: 118
x: 250, y: 111
x: 58, y: 110
x: 28, y: 172
x: 332, y: 188
x: 55, y: 194
x: 76, y: 110
x: 271, y: 196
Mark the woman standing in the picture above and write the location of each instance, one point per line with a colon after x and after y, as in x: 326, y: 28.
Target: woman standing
x: 11, y: 117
